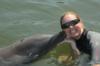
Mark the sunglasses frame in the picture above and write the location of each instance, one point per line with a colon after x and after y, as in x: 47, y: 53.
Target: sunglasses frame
x: 71, y: 23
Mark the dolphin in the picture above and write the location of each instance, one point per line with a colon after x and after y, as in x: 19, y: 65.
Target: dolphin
x: 27, y: 50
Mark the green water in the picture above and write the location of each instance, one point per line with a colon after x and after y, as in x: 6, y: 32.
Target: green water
x: 22, y: 18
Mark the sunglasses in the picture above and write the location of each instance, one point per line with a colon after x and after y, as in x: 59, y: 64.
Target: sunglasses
x: 71, y: 23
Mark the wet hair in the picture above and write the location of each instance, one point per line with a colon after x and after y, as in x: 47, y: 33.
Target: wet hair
x: 69, y: 12
x: 61, y: 18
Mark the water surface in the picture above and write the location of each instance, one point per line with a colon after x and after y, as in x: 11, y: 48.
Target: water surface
x: 22, y: 18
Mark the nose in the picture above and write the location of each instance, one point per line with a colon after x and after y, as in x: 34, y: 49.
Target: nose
x: 71, y: 26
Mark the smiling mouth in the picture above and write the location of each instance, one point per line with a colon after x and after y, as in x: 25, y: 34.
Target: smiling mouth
x: 73, y: 31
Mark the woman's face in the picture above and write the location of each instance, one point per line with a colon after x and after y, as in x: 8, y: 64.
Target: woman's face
x: 73, y: 29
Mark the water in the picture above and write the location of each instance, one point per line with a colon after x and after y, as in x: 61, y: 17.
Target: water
x: 22, y: 18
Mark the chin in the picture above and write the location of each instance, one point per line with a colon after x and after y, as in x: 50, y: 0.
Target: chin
x: 75, y: 37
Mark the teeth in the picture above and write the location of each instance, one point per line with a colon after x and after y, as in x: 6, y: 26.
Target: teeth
x: 73, y: 31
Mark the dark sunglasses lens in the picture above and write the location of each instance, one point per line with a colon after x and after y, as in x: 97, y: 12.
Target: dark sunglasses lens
x: 64, y: 26
x: 67, y: 24
x: 74, y: 22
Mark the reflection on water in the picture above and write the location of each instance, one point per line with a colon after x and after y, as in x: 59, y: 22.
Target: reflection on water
x: 22, y: 18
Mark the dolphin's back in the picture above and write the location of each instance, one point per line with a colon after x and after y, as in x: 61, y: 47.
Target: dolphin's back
x: 29, y: 49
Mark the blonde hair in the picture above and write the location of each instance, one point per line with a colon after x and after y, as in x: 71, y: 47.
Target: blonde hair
x: 73, y: 13
x: 69, y: 12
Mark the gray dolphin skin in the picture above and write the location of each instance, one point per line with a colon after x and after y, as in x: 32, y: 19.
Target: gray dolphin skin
x: 28, y: 50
